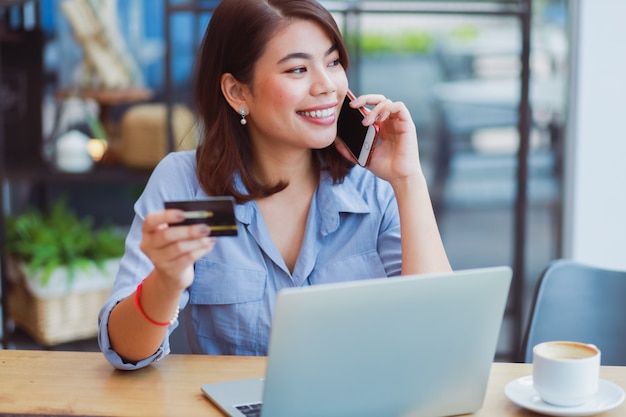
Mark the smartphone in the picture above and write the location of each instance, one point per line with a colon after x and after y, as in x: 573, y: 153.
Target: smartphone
x: 359, y: 139
x: 217, y: 212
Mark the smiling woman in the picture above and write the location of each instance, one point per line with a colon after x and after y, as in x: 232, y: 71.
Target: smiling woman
x: 270, y: 83
x: 296, y: 81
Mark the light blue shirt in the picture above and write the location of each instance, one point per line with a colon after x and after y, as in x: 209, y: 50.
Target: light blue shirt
x: 352, y: 232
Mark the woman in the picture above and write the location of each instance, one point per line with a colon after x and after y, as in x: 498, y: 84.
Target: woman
x: 270, y: 83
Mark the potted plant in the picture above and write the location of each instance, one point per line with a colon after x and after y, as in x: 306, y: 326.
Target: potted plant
x: 61, y: 270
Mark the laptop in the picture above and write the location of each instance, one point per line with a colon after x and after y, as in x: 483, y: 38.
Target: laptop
x: 412, y: 346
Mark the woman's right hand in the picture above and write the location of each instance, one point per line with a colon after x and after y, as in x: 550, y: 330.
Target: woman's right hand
x: 174, y: 249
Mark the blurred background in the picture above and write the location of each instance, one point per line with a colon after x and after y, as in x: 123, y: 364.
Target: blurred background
x: 463, y: 68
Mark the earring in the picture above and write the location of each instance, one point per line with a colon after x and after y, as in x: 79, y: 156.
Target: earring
x: 243, y: 114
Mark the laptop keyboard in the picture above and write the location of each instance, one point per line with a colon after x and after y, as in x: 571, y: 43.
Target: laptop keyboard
x: 250, y: 410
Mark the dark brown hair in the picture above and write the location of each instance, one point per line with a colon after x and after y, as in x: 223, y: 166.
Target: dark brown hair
x: 236, y: 37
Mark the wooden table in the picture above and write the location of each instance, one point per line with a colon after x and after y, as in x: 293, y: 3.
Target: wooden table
x: 84, y: 384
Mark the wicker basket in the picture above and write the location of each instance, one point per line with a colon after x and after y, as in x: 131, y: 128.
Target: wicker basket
x: 54, y: 320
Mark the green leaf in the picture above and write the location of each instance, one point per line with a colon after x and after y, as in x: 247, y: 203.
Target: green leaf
x: 44, y: 241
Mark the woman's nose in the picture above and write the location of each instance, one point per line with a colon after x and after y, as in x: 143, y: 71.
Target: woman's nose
x: 323, y: 84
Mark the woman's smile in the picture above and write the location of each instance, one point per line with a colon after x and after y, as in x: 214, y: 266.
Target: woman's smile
x: 324, y: 116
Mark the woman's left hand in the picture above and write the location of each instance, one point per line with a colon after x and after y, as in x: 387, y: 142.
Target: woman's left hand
x: 396, y: 159
x: 396, y: 155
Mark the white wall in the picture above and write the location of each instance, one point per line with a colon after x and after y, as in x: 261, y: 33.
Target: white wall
x: 594, y: 229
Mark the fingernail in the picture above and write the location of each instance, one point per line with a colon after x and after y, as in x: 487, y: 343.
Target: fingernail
x: 203, y: 229
x: 180, y: 215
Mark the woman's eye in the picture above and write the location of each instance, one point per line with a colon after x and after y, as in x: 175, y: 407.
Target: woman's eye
x: 298, y: 70
x: 335, y: 63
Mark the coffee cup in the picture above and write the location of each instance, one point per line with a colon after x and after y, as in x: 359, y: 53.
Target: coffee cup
x: 566, y: 373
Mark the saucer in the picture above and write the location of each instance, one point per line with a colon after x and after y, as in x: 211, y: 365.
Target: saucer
x: 522, y: 393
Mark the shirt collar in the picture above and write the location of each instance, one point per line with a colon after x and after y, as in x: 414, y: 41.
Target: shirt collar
x: 334, y: 199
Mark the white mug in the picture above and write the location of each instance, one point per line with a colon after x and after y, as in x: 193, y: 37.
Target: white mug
x: 566, y: 373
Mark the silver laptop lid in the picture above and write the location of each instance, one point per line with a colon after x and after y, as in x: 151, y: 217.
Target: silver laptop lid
x: 418, y: 346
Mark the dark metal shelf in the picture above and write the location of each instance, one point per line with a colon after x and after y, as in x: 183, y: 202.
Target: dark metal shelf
x: 506, y: 7
x: 98, y: 174
x: 43, y: 177
x: 20, y: 163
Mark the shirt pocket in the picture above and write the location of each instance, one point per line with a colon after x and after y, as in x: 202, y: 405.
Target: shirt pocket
x: 359, y: 266
x: 229, y: 309
x: 224, y: 284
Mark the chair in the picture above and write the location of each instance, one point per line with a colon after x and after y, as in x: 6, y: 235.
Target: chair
x: 579, y: 302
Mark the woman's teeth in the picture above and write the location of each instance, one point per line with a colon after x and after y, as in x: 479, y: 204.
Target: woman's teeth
x: 319, y: 113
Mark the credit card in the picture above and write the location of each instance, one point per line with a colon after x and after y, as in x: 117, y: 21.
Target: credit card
x: 217, y: 212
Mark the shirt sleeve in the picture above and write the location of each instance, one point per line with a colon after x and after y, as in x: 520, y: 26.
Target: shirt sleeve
x: 133, y: 268
x: 172, y: 179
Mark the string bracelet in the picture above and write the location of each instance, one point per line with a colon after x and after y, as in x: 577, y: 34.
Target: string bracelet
x: 143, y: 313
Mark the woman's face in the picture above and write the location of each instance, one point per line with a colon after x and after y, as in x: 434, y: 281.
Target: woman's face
x: 297, y: 91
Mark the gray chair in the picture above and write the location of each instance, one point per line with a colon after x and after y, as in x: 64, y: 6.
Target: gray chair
x: 579, y: 302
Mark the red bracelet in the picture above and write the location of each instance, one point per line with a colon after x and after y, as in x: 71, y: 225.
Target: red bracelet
x: 143, y: 313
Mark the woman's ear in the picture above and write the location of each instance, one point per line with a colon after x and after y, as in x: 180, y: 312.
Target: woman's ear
x: 234, y: 92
